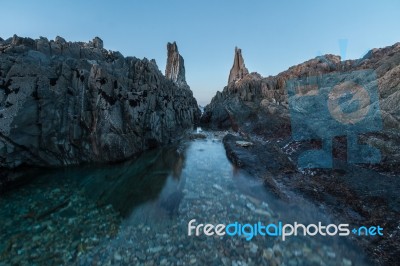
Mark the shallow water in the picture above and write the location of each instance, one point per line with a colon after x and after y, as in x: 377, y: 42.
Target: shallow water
x: 138, y: 213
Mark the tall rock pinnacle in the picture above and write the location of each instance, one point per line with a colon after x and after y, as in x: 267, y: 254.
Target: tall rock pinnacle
x: 238, y: 70
x: 175, y: 69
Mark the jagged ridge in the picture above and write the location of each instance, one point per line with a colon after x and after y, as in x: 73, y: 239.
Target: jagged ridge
x: 65, y: 103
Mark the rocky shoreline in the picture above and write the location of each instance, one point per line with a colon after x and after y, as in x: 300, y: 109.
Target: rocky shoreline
x: 65, y: 103
x: 130, y: 215
x: 349, y: 193
x: 262, y: 113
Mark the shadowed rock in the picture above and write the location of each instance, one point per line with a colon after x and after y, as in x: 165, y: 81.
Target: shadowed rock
x: 64, y: 103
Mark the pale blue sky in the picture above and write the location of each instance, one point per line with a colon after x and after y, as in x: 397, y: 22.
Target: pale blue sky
x: 273, y: 35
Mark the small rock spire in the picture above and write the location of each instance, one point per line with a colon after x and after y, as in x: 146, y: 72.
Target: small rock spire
x: 238, y: 70
x: 175, y: 69
x: 98, y: 43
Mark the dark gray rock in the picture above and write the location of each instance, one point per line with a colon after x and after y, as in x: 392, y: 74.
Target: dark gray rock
x: 98, y: 43
x: 258, y: 108
x: 254, y: 104
x: 64, y: 103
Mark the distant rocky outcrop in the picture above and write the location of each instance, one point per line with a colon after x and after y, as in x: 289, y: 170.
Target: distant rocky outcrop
x: 64, y: 103
x: 238, y: 70
x: 175, y: 69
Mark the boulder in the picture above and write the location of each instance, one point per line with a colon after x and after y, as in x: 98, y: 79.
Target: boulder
x: 243, y: 143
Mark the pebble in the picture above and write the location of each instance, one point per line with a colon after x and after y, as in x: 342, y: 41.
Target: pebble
x: 218, y: 187
x: 117, y: 256
x: 253, y: 247
x: 297, y: 253
x: 277, y: 250
x: 268, y: 253
x: 140, y: 256
x: 346, y: 262
x: 179, y: 254
x: 155, y: 249
x: 262, y: 213
x: 250, y: 206
x: 331, y: 254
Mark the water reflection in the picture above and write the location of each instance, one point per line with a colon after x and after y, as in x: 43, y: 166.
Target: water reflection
x: 131, y: 184
x: 157, y: 195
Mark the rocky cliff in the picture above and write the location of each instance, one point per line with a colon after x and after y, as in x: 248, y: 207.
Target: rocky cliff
x: 260, y: 105
x: 64, y: 103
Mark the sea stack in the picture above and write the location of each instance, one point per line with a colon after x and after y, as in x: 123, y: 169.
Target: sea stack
x: 175, y: 69
x: 238, y: 70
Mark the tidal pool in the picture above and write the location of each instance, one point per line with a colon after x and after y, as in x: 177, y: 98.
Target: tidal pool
x: 137, y: 213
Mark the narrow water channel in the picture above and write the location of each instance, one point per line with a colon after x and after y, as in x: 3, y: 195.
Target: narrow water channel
x: 138, y: 212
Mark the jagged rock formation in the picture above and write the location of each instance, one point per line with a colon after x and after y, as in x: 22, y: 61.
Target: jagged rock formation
x: 260, y: 105
x: 64, y: 103
x: 238, y: 70
x: 175, y: 69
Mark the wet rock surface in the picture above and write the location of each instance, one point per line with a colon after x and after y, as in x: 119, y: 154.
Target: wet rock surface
x: 64, y: 103
x: 362, y: 196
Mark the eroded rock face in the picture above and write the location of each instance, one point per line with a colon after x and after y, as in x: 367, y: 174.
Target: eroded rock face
x: 175, y: 69
x: 238, y: 70
x: 259, y: 105
x: 64, y: 103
